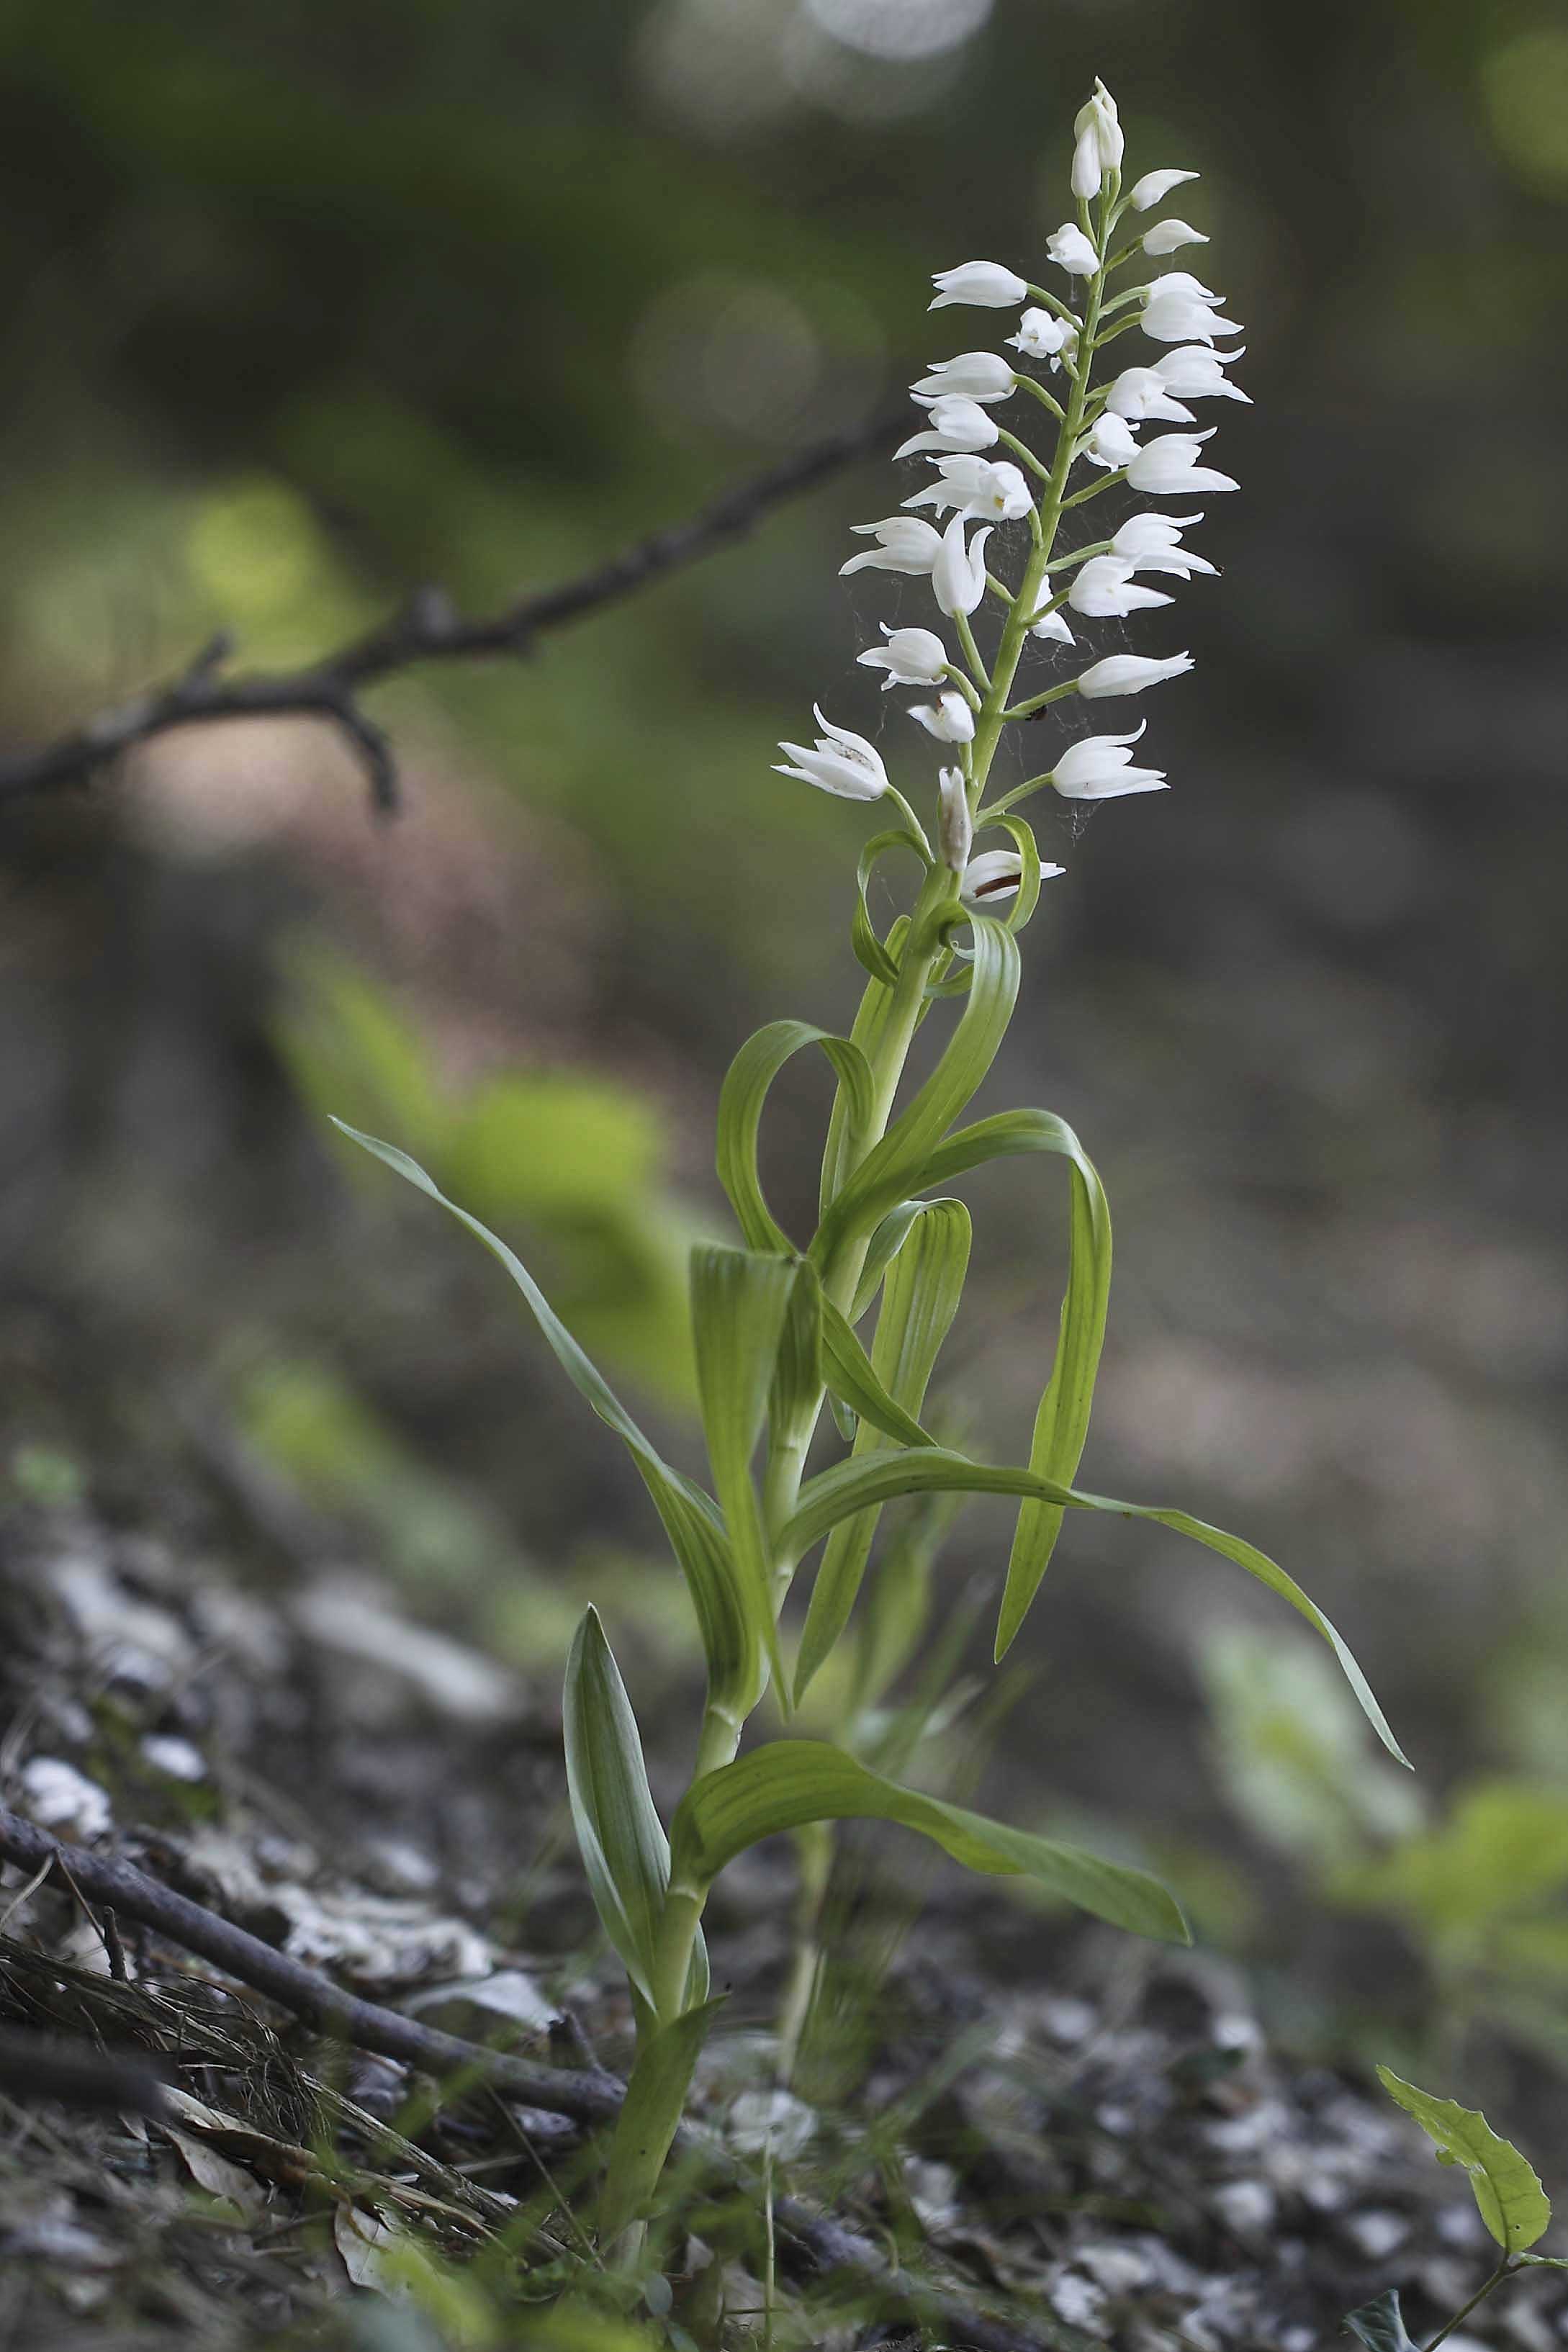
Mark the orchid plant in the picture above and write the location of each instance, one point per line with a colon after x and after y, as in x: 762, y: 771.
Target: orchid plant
x: 777, y: 1322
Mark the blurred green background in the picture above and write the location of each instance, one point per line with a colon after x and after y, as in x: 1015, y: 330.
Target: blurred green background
x: 309, y: 305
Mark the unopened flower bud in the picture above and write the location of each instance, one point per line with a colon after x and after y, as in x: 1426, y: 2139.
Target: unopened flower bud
x: 955, y: 826
x: 984, y: 284
x: 950, y: 717
x: 1154, y: 187
x: 1070, y: 250
x: 1169, y: 236
x: 1130, y: 674
x: 911, y: 657
x: 958, y: 573
x: 1100, y: 143
x: 972, y: 376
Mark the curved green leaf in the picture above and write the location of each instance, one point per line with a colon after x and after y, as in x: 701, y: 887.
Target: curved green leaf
x: 790, y: 1782
x: 924, y: 1284
x: 797, y: 1378
x: 853, y: 1486
x: 841, y: 1148
x: 1062, y: 1423
x: 1513, y: 2204
x: 884, y: 1246
x: 739, y: 1302
x: 696, y: 1533
x: 893, y: 1169
x: 1380, y: 2324
x: 741, y: 1102
x: 619, y: 1834
x: 869, y: 950
x: 851, y: 1377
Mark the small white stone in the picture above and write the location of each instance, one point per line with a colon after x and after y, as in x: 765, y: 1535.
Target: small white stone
x: 166, y: 1752
x: 59, y: 1798
x: 763, y: 2121
x: 1246, y: 2205
x: 1067, y: 2019
x: 1077, y: 2300
x: 1376, y: 2232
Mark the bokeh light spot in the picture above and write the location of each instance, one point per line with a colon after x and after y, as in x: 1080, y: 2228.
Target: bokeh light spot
x: 900, y: 28
x: 1524, y: 87
x: 254, y: 549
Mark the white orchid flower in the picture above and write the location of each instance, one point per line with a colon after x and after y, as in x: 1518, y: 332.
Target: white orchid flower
x: 904, y: 544
x: 1111, y: 444
x: 1103, y: 589
x: 839, y: 762
x: 1195, y: 372
x: 972, y: 376
x: 949, y: 718
x: 986, y: 285
x: 1129, y: 673
x: 995, y: 493
x: 957, y: 425
x: 1099, y: 768
x: 1169, y: 236
x: 958, y: 573
x: 1169, y: 467
x: 1139, y: 393
x: 1178, y: 310
x: 1070, y: 250
x: 1043, y: 336
x: 1053, y: 628
x: 911, y: 657
x: 1152, y: 542
x: 1154, y: 187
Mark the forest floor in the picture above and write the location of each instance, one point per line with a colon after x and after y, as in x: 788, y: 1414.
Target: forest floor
x: 1077, y: 2139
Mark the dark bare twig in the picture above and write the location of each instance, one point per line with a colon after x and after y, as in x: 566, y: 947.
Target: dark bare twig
x: 819, y: 2246
x: 428, y: 628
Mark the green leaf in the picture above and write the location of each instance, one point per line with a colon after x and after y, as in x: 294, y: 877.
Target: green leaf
x: 740, y: 1299
x: 1061, y: 1424
x: 855, y: 1484
x: 619, y: 1834
x: 790, y: 1782
x: 1380, y: 2324
x: 851, y: 1376
x: 1513, y: 2205
x: 797, y: 1389
x: 870, y: 950
x: 842, y: 1148
x: 894, y: 1169
x: 924, y: 1284
x: 730, y: 1640
x: 741, y: 1102
x: 881, y: 1250
x: 655, y: 2095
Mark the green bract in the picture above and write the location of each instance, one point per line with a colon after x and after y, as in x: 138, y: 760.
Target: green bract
x: 855, y: 1315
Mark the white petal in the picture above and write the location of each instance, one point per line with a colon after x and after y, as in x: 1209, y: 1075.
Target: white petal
x: 1154, y: 187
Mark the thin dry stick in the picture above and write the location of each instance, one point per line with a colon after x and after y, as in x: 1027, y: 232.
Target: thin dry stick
x: 430, y: 628
x: 821, y: 2246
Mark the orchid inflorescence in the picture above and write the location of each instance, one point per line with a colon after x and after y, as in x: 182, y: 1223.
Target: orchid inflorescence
x: 977, y: 489
x: 776, y: 1323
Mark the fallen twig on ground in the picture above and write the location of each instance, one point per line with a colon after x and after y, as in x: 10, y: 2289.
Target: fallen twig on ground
x: 821, y: 2247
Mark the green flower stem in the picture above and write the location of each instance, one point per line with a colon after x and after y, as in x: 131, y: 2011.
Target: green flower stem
x: 1504, y: 2270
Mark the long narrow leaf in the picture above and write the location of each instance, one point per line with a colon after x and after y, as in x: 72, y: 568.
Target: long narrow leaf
x: 842, y: 1148
x: 853, y: 1486
x: 924, y: 1284
x: 695, y: 1531
x: 619, y: 1834
x: 852, y: 1376
x: 1062, y: 1423
x: 790, y: 1782
x: 656, y: 2094
x: 740, y: 1299
x: 741, y: 1103
x: 894, y: 1169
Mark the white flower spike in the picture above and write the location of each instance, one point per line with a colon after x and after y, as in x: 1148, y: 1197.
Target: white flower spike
x: 1168, y: 468
x: 949, y: 718
x: 985, y: 285
x: 958, y: 573
x: 1043, y: 336
x: 956, y: 426
x: 1103, y: 589
x: 839, y: 762
x: 955, y: 827
x: 972, y: 376
x: 1070, y: 250
x: 1169, y: 237
x: 1154, y: 187
x: 976, y: 487
x: 1099, y: 769
x: 904, y: 544
x: 1129, y: 673
x: 911, y: 657
x: 1100, y: 144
